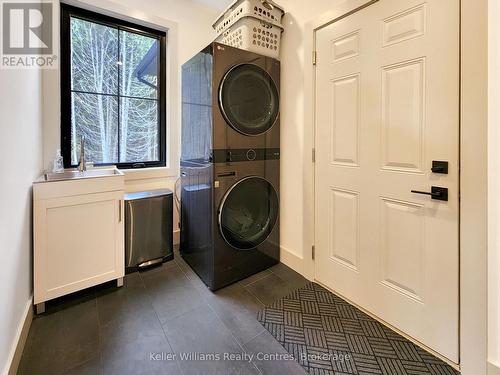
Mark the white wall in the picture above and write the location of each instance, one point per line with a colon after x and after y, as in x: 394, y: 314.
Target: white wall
x: 21, y: 163
x: 296, y: 131
x: 473, y: 186
x: 194, y: 21
x: 494, y: 188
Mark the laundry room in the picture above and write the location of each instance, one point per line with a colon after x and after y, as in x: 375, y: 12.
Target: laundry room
x: 250, y: 187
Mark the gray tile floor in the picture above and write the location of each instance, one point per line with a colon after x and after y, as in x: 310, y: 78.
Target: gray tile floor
x: 165, y: 311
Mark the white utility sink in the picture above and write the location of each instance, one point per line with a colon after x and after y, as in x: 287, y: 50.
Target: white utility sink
x: 76, y: 175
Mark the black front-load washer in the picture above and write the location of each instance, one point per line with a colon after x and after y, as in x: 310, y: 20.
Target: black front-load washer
x: 230, y: 219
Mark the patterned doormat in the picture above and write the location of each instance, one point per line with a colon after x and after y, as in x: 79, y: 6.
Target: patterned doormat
x: 327, y: 335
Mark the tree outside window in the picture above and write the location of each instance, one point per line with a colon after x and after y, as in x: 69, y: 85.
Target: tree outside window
x: 113, y: 90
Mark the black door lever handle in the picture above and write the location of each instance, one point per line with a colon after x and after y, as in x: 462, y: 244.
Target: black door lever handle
x: 422, y: 192
x: 437, y: 193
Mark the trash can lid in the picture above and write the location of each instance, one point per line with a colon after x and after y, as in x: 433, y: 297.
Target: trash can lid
x: 147, y: 194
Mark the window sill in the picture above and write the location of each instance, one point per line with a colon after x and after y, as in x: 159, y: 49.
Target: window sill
x: 149, y: 173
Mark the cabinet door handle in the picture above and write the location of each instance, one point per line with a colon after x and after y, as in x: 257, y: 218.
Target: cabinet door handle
x: 120, y: 210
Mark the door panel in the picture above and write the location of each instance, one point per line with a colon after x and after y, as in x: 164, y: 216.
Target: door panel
x: 403, y: 116
x: 345, y: 47
x: 402, y: 231
x: 344, y: 220
x: 345, y: 120
x: 387, y: 105
x: 405, y: 25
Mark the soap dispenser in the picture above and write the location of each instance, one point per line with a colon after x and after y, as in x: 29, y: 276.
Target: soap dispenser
x: 58, y: 163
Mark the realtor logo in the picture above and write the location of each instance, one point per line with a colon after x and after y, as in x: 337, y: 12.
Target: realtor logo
x: 27, y: 34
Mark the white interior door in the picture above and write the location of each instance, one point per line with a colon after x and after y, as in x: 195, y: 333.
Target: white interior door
x: 387, y: 106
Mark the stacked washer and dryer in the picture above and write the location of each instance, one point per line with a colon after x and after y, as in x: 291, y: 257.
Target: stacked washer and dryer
x: 230, y: 164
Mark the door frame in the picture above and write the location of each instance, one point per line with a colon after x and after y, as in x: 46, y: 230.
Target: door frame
x: 473, y: 170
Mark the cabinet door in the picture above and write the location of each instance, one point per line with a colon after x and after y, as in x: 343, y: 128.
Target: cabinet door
x: 78, y: 243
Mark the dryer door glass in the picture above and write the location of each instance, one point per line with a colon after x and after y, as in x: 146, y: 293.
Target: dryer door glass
x: 248, y: 213
x: 249, y: 99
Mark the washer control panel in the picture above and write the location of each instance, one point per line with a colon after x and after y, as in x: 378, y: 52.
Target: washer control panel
x: 245, y: 154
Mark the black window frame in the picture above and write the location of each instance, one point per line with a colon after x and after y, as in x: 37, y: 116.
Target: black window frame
x: 67, y: 12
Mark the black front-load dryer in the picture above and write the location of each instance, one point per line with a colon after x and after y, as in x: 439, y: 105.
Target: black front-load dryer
x: 249, y: 100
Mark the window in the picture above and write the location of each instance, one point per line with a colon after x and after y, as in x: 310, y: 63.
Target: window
x: 112, y: 91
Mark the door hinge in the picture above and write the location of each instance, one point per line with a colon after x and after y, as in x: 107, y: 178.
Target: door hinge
x: 315, y: 57
x: 313, y: 254
x: 314, y: 155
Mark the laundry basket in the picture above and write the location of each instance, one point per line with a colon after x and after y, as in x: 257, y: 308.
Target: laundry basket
x: 254, y: 35
x: 264, y: 10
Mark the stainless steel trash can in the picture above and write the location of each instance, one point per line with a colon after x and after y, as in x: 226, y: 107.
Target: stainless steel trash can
x: 148, y: 229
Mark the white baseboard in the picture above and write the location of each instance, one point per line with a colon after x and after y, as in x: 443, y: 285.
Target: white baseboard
x: 292, y: 260
x: 493, y: 368
x: 17, y: 348
x: 177, y: 237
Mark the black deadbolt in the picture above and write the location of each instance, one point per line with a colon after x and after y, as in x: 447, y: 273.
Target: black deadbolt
x: 439, y: 167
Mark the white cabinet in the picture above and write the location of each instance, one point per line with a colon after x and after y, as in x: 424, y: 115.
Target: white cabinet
x: 78, y: 235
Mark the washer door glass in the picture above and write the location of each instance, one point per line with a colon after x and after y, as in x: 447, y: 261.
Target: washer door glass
x: 248, y: 213
x: 249, y: 99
